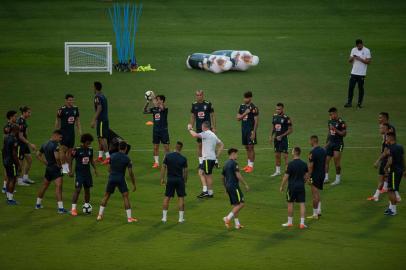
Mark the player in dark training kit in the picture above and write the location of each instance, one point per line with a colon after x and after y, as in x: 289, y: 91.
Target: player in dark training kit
x: 83, y: 157
x: 337, y: 130
x: 395, y: 170
x: 175, y: 170
x: 317, y: 170
x: 281, y: 128
x: 160, y: 133
x: 231, y: 179
x: 66, y: 118
x: 101, y: 122
x: 24, y: 147
x: 202, y: 111
x: 296, y: 175
x: 248, y: 115
x: 49, y: 156
x: 119, y: 163
x: 11, y: 161
x: 11, y: 120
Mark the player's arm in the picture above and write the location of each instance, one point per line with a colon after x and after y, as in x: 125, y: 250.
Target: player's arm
x: 93, y: 164
x: 132, y: 176
x: 307, y: 177
x: 343, y: 132
x: 283, y: 183
x: 192, y: 120
x: 185, y: 174
x: 366, y: 61
x: 194, y: 133
x: 255, y: 127
x: 310, y: 167
x: 57, y: 158
x: 241, y: 116
x: 16, y: 161
x: 78, y: 125
x: 242, y: 180
x: 381, y: 156
x: 96, y: 114
x: 213, y: 121
x: 220, y: 148
x: 57, y: 123
x: 163, y: 174
x: 24, y: 140
x: 41, y: 158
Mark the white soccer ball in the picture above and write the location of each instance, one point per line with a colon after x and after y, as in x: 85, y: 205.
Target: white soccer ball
x: 149, y: 95
x: 87, y: 208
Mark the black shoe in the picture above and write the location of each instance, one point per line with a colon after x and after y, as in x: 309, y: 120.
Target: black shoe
x: 347, y: 105
x: 203, y: 195
x: 210, y: 196
x: 359, y: 106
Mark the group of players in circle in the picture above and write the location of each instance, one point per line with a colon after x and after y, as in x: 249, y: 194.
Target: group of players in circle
x: 58, y: 154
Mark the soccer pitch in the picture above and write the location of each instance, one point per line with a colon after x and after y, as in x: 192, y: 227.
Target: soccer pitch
x: 303, y: 48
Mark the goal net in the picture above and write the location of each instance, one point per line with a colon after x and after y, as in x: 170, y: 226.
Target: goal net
x: 88, y: 57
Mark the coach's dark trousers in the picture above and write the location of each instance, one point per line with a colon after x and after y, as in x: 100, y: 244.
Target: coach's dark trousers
x: 356, y: 79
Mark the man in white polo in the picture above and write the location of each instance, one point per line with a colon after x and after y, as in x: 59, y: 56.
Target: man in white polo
x: 360, y: 58
x: 210, y: 153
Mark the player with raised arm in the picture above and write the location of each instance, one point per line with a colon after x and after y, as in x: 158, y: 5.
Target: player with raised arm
x: 210, y: 142
x: 337, y: 130
x: 101, y: 122
x: 119, y: 163
x: 49, y: 156
x: 231, y: 179
x: 248, y: 115
x: 174, y: 176
x: 202, y: 110
x: 160, y: 133
x: 67, y: 117
x: 282, y: 127
x: 11, y: 120
x: 11, y: 161
x: 83, y: 157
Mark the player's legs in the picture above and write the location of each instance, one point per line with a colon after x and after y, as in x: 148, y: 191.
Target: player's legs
x: 166, y: 148
x: 103, y: 205
x: 127, y: 207
x: 251, y: 158
x: 351, y: 86
x: 87, y: 195
x: 199, y: 152
x: 277, y: 164
x: 360, y: 82
x: 75, y: 197
x: 41, y: 193
x: 165, y: 207
x: 156, y: 155
x: 302, y: 215
x: 181, y: 207
x: 203, y: 182
x: 25, y: 169
x: 63, y: 156
x: 316, y: 201
x: 328, y: 159
x: 58, y: 193
x: 10, y: 187
x: 4, y: 190
x: 290, y: 215
x: 209, y: 181
x: 337, y: 163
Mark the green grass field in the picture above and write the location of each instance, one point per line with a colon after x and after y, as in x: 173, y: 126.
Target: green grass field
x: 303, y: 48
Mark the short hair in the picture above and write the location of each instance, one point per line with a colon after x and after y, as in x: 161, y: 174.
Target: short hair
x: 384, y: 114
x: 232, y: 150
x: 386, y: 125
x: 332, y: 109
x: 358, y: 41
x: 98, y: 86
x: 314, y: 137
x: 122, y: 145
x: 179, y: 143
x: 10, y: 114
x: 200, y: 91
x: 57, y: 132
x: 248, y: 94
x: 297, y: 150
x: 206, y: 124
x: 391, y: 135
x: 280, y: 104
x: 87, y: 137
x: 67, y: 96
x: 161, y: 97
x: 24, y: 109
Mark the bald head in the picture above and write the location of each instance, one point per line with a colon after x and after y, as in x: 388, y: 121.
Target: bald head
x: 199, y: 95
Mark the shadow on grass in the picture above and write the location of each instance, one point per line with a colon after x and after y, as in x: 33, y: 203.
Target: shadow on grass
x: 280, y: 237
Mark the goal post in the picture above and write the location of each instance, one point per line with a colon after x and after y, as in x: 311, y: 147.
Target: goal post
x: 88, y: 57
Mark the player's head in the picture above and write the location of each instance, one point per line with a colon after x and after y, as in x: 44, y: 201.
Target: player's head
x: 199, y: 95
x: 296, y: 151
x: 122, y: 146
x: 86, y: 139
x: 160, y: 99
x: 179, y: 146
x: 14, y: 129
x: 11, y: 116
x: 383, y: 117
x: 359, y: 44
x: 314, y: 140
x: 97, y: 86
x: 232, y: 153
x: 25, y: 111
x: 246, y: 57
x: 247, y: 97
x: 279, y: 108
x: 384, y: 128
x: 57, y: 135
x: 206, y: 125
x: 333, y: 112
x: 390, y: 138
x: 69, y: 100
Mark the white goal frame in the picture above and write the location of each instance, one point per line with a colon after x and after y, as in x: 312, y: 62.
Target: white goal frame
x: 107, y: 68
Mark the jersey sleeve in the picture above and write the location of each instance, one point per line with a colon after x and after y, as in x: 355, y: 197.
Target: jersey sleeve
x: 255, y: 111
x: 97, y: 101
x: 211, y: 109
x: 59, y: 113
x: 185, y: 163
x: 311, y: 157
x: 289, y: 121
x: 77, y: 112
x: 203, y: 135
x: 289, y: 169
x: 129, y: 164
x: 42, y: 150
x: 240, y: 110
x: 236, y: 167
x: 352, y: 52
x: 368, y: 54
x: 192, y: 110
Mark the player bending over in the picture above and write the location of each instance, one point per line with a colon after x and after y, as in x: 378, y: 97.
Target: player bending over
x: 49, y: 156
x: 11, y: 120
x: 296, y: 175
x: 119, y: 163
x: 83, y: 156
x: 175, y: 169
x: 160, y: 133
x: 231, y: 179
x: 11, y: 162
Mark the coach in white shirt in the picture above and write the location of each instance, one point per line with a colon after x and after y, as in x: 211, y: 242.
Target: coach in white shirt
x: 209, y: 153
x: 360, y: 58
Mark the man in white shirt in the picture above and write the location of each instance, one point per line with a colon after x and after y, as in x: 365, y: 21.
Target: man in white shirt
x: 360, y: 57
x: 212, y: 147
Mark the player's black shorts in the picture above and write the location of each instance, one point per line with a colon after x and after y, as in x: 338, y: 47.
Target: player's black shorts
x: 52, y: 173
x: 246, y: 137
x: 160, y: 136
x: 85, y: 181
x: 22, y: 150
x: 68, y: 140
x: 382, y: 167
x: 235, y: 195
x: 296, y: 195
x: 207, y: 166
x: 102, y: 129
x: 334, y: 147
x: 318, y: 182
x: 281, y: 146
x: 394, y: 179
x: 112, y: 184
x: 11, y: 170
x: 177, y: 185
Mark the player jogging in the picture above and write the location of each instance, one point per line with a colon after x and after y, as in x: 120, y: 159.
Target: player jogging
x: 282, y: 127
x: 209, y: 144
x: 248, y: 115
x: 119, y: 163
x: 175, y: 170
x: 83, y: 157
x: 11, y: 120
x: 11, y: 161
x: 337, y: 130
x: 66, y: 118
x: 231, y: 179
x: 101, y: 122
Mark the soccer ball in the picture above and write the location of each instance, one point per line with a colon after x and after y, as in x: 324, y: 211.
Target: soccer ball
x: 87, y: 208
x: 149, y: 95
